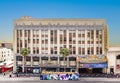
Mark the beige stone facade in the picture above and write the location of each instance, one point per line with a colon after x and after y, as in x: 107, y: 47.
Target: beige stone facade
x: 113, y: 56
x: 45, y: 37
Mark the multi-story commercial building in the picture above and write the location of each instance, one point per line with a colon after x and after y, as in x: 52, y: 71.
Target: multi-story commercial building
x: 6, y: 59
x: 6, y: 45
x: 113, y: 56
x: 86, y: 39
x: 6, y: 54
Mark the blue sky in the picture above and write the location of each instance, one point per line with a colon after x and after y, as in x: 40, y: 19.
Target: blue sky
x: 107, y: 9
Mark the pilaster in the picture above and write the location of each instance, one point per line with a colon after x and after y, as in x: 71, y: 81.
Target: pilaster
x: 85, y: 42
x: 67, y: 31
x: 40, y: 41
x: 49, y: 45
x: 76, y: 42
x: 94, y: 42
x: 58, y: 42
x: 31, y: 36
x: 23, y: 38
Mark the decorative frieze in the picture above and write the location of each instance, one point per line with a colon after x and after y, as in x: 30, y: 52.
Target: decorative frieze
x: 59, y: 27
x: 29, y: 21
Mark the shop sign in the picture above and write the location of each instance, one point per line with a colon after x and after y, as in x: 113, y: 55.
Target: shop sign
x: 93, y: 65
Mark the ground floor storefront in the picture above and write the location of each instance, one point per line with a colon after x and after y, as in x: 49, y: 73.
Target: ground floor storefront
x: 92, y: 68
x: 49, y: 69
x: 56, y: 69
x: 88, y: 64
x: 6, y: 66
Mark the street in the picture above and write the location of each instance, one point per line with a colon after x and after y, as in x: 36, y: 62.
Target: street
x: 53, y: 81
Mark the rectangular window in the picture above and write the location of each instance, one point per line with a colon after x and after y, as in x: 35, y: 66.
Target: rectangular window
x: 74, y: 42
x: 92, y: 50
x: 83, y: 51
x: 28, y: 58
x: 83, y: 35
x: 55, y: 52
x: 51, y: 51
x: 79, y: 35
x: 88, y: 51
x: 36, y: 59
x: 83, y: 42
x: 19, y: 58
x: 74, y: 35
x: 79, y: 50
x: 79, y: 42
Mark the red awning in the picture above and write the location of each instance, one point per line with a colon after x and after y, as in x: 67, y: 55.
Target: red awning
x: 9, y: 66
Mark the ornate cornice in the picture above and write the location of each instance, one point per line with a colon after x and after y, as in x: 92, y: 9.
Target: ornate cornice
x: 29, y: 21
x: 47, y: 27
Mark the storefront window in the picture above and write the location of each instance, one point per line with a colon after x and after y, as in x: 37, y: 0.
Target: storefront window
x: 19, y: 58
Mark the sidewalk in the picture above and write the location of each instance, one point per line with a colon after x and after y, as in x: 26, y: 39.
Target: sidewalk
x: 19, y: 78
x: 2, y: 78
x: 100, y: 79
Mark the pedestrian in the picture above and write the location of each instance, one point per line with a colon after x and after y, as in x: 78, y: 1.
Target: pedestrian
x: 4, y: 74
x: 10, y: 75
x: 17, y: 74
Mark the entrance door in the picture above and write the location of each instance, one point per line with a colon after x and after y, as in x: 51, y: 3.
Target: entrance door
x: 97, y: 70
x: 112, y: 70
x: 0, y: 70
x: 83, y: 70
x: 90, y: 70
x: 72, y: 70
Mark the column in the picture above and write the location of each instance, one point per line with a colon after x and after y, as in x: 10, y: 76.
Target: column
x: 40, y: 60
x: 77, y: 63
x: 15, y: 49
x: 76, y: 42
x: 49, y: 58
x: 67, y: 61
x: 23, y: 46
x: 94, y: 42
x: 85, y: 42
x: 31, y: 61
x: 103, y: 43
x: 18, y: 41
x: 40, y: 41
x: 23, y: 39
x: 67, y: 31
x: 58, y: 69
x: 59, y: 60
x: 58, y: 42
x: 90, y: 43
x: 31, y: 36
x: 49, y: 45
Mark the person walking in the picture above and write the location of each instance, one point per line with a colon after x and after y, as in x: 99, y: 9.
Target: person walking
x: 4, y: 74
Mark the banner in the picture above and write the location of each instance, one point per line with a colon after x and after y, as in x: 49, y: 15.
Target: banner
x: 93, y: 65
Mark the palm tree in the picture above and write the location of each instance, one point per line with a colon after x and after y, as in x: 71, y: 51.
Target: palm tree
x: 65, y: 52
x: 24, y: 52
